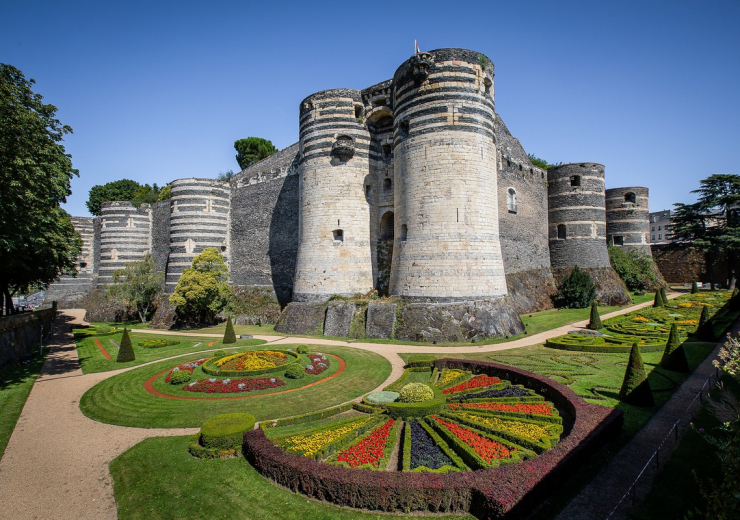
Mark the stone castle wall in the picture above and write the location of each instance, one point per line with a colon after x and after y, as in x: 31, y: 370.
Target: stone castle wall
x: 627, y: 218
x: 125, y: 236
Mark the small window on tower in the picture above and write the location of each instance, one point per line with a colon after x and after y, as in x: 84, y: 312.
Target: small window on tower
x: 561, y: 232
x: 404, y: 232
x: 387, y: 185
x: 338, y: 235
x: 511, y: 200
x: 630, y: 197
x: 618, y: 240
x: 575, y: 180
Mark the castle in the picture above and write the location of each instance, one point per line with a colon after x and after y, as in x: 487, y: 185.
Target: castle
x: 413, y: 187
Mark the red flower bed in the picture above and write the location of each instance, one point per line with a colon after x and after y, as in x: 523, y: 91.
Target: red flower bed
x: 189, y: 366
x: 483, y: 446
x: 536, y: 408
x: 370, y: 449
x: 229, y: 386
x: 480, y: 381
x: 318, y: 363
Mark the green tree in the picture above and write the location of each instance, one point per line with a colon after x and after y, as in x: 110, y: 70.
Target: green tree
x: 711, y: 224
x: 137, y: 284
x: 541, y: 163
x: 124, y: 189
x: 576, y: 291
x: 202, y: 291
x: 225, y: 176
x: 658, y: 300
x: 37, y: 239
x: 694, y: 288
x: 252, y: 149
x: 594, y: 323
x: 674, y: 356
x: 635, y: 386
x: 126, y: 350
x: 636, y: 269
x: 229, y: 335
x: 165, y: 193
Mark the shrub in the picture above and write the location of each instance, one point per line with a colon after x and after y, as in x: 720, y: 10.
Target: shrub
x: 415, y: 393
x: 635, y: 387
x: 595, y: 321
x: 704, y: 329
x: 421, y: 360
x: 295, y: 372
x: 180, y: 377
x: 229, y: 336
x: 126, y: 351
x: 663, y: 296
x: 302, y: 349
x: 694, y: 288
x: 674, y: 357
x: 103, y: 329
x: 382, y: 397
x: 658, y: 300
x: 225, y: 431
x: 219, y: 354
x: 635, y: 268
x: 157, y: 343
x: 576, y: 291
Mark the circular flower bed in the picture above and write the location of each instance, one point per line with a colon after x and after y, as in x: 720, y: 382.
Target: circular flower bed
x: 250, y: 363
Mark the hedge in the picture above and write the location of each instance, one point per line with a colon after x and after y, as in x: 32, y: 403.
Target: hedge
x: 209, y: 368
x: 157, y: 343
x: 491, y: 493
x: 307, y: 417
x: 421, y: 360
x: 225, y: 431
x: 367, y: 408
x: 602, y: 345
x: 342, y: 442
x: 201, y: 452
x: 403, y: 410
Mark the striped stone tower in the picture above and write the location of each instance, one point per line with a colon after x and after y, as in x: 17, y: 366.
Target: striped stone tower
x: 446, y: 240
x: 627, y: 218
x: 72, y: 287
x: 577, y: 215
x: 124, y: 237
x: 334, y: 238
x: 199, y: 218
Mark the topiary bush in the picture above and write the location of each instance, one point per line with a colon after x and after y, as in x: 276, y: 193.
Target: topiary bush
x: 635, y: 387
x: 229, y: 335
x: 658, y: 300
x: 295, y: 372
x: 595, y: 322
x: 219, y: 354
x: 674, y: 357
x: 180, y: 377
x: 157, y: 343
x: 302, y: 349
x: 382, y: 397
x: 663, y: 295
x: 221, y: 436
x: 126, y: 350
x: 694, y: 288
x: 704, y: 328
x: 576, y: 291
x: 415, y: 393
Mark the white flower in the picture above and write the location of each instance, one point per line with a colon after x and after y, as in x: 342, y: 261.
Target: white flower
x: 212, y: 379
x: 193, y: 383
x: 176, y: 369
x: 309, y: 367
x: 240, y: 385
x: 272, y: 380
x: 226, y: 381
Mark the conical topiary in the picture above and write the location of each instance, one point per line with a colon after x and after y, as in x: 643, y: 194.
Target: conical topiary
x: 126, y: 350
x: 664, y: 296
x: 694, y: 288
x: 674, y: 357
x: 704, y: 329
x: 595, y: 321
x: 658, y: 301
x: 635, y: 387
x: 229, y: 335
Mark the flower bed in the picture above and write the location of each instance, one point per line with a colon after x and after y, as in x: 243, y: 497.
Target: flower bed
x: 486, y: 448
x: 230, y: 386
x: 424, y: 450
x: 251, y: 363
x: 317, y: 364
x: 525, y: 408
x: 481, y: 381
x: 315, y: 442
x: 189, y: 367
x: 509, y: 391
x: 370, y: 449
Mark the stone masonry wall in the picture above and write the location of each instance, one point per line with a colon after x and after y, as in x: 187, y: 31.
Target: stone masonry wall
x: 124, y: 237
x: 627, y: 218
x: 20, y: 334
x: 161, y: 234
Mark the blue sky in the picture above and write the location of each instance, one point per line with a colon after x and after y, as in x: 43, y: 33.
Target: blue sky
x: 157, y: 91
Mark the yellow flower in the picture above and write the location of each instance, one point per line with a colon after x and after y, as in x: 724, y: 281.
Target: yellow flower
x: 449, y: 375
x: 522, y: 429
x: 310, y: 444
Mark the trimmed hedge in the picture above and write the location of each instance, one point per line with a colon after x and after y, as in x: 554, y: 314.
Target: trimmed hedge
x: 307, y: 417
x: 403, y: 410
x: 415, y: 393
x: 295, y: 372
x: 421, y: 360
x: 225, y: 431
x: 196, y: 450
x: 180, y: 377
x: 367, y: 408
x: 126, y: 350
x: 157, y: 343
x: 210, y: 369
x: 490, y: 493
x: 605, y: 344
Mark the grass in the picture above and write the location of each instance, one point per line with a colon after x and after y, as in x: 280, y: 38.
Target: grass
x: 92, y: 359
x: 122, y: 400
x: 15, y: 386
x: 675, y: 490
x: 267, y: 329
x: 157, y: 478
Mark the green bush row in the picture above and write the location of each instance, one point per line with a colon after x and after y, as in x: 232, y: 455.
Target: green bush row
x: 307, y: 417
x: 527, y: 417
x: 422, y: 360
x: 157, y: 343
x: 396, y: 385
x: 433, y: 377
x: 441, y: 444
x: 565, y: 343
x: 225, y: 431
x: 209, y: 367
x: 196, y: 450
x: 367, y: 408
x: 403, y: 410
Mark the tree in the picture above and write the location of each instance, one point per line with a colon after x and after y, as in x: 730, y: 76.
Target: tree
x: 576, y: 291
x: 541, y: 163
x: 252, y: 149
x: 711, y: 224
x: 137, y: 284
x: 636, y: 268
x: 126, y: 350
x: 37, y: 239
x: 694, y: 288
x: 635, y: 386
x: 594, y: 322
x: 225, y: 176
x: 674, y: 356
x: 202, y: 291
x: 658, y: 300
x: 663, y: 295
x: 123, y: 189
x: 229, y: 335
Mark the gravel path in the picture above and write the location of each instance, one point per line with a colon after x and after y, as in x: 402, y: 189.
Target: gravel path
x: 57, y: 459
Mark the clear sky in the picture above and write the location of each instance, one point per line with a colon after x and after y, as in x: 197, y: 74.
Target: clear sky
x: 157, y: 91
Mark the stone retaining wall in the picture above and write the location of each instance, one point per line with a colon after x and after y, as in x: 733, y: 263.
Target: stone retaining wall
x: 20, y: 334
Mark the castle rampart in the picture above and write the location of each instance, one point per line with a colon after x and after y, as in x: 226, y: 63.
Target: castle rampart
x: 124, y: 237
x: 627, y: 218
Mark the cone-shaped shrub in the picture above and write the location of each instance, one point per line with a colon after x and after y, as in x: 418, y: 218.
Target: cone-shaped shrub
x: 674, y: 357
x: 663, y: 296
x: 229, y: 336
x: 658, y: 301
x: 635, y: 387
x: 126, y: 350
x: 704, y: 329
x: 694, y: 288
x: 595, y: 321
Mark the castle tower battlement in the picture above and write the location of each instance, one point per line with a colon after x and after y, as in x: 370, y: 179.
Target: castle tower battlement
x: 577, y: 215
x: 446, y: 243
x: 627, y: 218
x: 124, y: 237
x: 199, y: 218
x: 334, y: 237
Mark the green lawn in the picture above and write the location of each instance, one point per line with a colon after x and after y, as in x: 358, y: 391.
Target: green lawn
x: 159, y: 479
x: 122, y: 399
x: 93, y: 360
x: 15, y: 386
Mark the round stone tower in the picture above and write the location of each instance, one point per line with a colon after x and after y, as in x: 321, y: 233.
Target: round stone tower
x: 627, y: 218
x: 124, y: 236
x: 446, y: 239
x: 334, y: 254
x: 199, y: 218
x: 577, y: 219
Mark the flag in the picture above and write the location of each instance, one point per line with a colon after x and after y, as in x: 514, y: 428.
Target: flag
x: 416, y: 47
